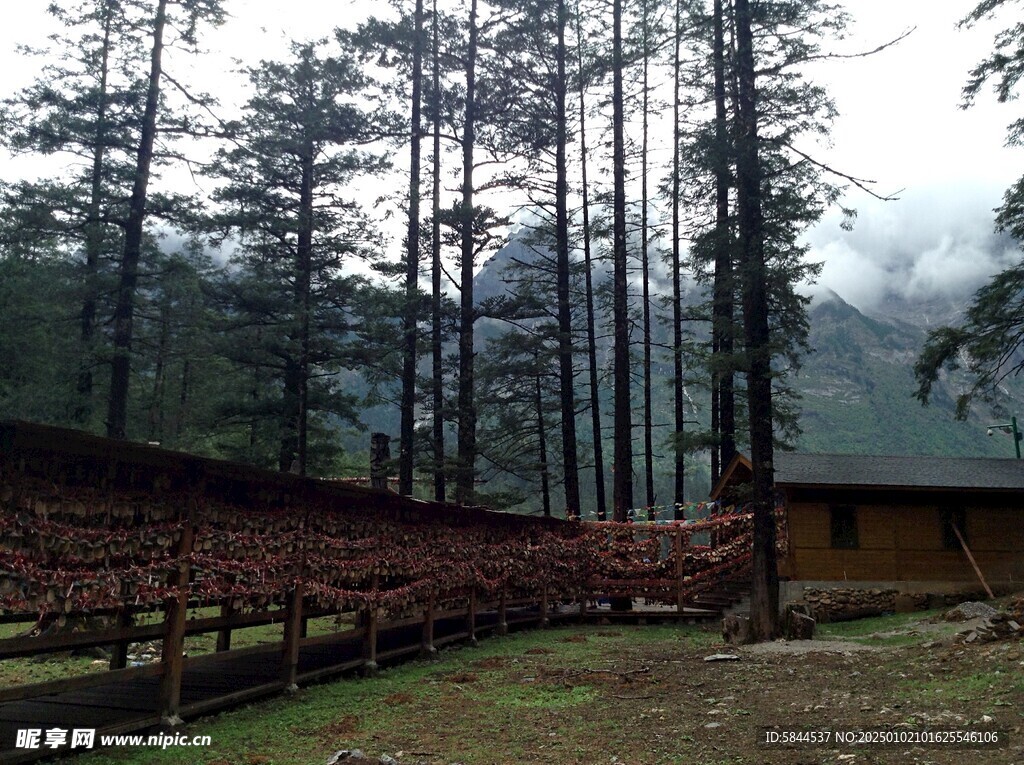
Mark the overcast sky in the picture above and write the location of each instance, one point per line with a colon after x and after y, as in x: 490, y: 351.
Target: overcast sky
x: 900, y: 126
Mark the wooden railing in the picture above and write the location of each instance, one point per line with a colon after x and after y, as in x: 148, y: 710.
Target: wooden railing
x: 116, y: 532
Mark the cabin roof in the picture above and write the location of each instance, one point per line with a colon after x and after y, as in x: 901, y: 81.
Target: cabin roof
x: 883, y: 471
x: 904, y: 472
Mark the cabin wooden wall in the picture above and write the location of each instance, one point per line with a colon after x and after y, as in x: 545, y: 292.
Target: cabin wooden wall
x: 903, y: 542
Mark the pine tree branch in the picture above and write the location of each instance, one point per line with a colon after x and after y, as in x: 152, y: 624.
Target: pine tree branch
x: 860, y: 183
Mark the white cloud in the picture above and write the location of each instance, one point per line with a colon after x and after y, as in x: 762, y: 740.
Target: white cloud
x: 935, y: 242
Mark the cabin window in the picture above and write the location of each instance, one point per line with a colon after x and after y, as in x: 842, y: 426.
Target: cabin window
x: 844, y: 527
x: 949, y: 517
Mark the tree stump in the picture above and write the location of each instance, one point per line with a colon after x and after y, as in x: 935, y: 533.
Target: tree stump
x: 736, y: 630
x: 797, y: 623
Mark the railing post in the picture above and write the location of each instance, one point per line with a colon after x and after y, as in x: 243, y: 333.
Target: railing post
x: 679, y: 570
x: 174, y: 629
x: 227, y: 610
x: 370, y: 633
x: 427, y: 642
x: 502, y: 628
x: 471, y: 616
x: 122, y: 621
x: 292, y: 636
x: 370, y: 642
x: 544, y: 620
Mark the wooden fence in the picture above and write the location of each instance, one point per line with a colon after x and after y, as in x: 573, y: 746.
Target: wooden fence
x: 105, y: 535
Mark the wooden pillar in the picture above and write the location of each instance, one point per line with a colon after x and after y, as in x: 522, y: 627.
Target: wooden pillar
x: 380, y: 454
x: 227, y: 610
x: 679, y: 570
x: 122, y: 621
x: 427, y: 642
x: 174, y: 630
x: 370, y: 642
x: 503, y: 612
x: 370, y: 632
x: 292, y: 637
x: 544, y: 621
x: 970, y: 557
x: 471, y: 616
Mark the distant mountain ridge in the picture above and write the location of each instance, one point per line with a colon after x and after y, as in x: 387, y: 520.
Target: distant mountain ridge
x: 856, y: 387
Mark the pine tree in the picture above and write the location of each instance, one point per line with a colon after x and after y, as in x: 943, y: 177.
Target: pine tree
x: 84, y: 107
x: 764, y: 596
x: 411, y: 318
x: 191, y: 13
x: 297, y: 148
x: 623, y: 459
x: 987, y: 343
x: 588, y: 270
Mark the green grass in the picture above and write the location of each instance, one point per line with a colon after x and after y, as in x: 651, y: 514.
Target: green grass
x: 521, y: 696
x: 860, y: 628
x: 985, y: 691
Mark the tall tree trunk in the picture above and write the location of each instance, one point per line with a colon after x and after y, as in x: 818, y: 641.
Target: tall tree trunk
x: 117, y: 408
x: 538, y: 401
x: 723, y: 408
x: 93, y: 235
x: 293, y: 456
x: 466, y: 471
x: 156, y: 408
x: 305, y: 283
x: 412, y: 273
x: 183, y: 399
x: 677, y: 294
x: 565, y: 371
x: 645, y: 274
x: 622, y: 493
x: 764, y: 597
x: 595, y: 402
x: 437, y: 359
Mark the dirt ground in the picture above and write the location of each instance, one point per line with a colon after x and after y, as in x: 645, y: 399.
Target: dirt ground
x: 618, y: 695
x: 622, y: 701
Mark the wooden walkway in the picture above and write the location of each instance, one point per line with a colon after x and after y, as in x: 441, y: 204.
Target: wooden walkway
x: 129, y: 701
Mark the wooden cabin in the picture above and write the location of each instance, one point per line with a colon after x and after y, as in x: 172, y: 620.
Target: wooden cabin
x: 892, y: 521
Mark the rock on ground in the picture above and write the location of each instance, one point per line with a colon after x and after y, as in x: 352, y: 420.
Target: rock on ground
x: 969, y: 610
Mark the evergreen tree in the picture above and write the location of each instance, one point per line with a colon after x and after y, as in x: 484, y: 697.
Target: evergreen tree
x: 183, y: 16
x: 297, y: 148
x: 412, y: 243
x: 585, y: 75
x: 623, y: 459
x: 84, y: 107
x: 987, y: 343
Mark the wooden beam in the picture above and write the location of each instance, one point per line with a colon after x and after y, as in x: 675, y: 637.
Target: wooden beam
x: 119, y: 650
x: 30, y: 646
x: 371, y: 622
x: 427, y: 648
x: 171, y: 656
x: 227, y: 610
x: 471, y: 616
x: 502, y: 628
x: 370, y: 642
x: 678, y: 541
x: 970, y: 557
x: 292, y: 639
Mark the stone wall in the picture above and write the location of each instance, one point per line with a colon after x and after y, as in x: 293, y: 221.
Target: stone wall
x: 842, y: 603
